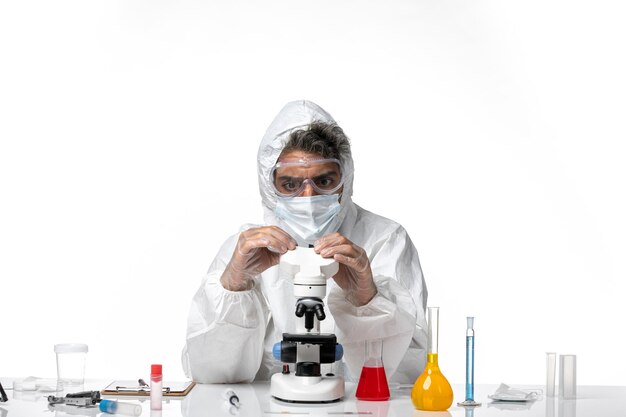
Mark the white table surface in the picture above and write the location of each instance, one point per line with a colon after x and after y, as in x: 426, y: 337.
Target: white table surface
x: 206, y: 400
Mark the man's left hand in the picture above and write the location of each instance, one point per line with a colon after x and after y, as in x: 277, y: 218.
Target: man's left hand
x: 355, y: 274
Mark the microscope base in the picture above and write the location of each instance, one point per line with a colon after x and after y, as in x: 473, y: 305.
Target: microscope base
x: 307, y: 389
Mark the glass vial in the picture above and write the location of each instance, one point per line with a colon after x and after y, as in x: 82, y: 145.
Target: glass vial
x: 432, y: 391
x: 567, y: 376
x: 156, y: 387
x: 550, y: 373
x: 373, y: 382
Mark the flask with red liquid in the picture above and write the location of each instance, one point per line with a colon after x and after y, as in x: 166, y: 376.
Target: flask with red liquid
x: 373, y: 382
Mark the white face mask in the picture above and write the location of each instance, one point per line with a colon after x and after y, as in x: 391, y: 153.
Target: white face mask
x: 308, y: 218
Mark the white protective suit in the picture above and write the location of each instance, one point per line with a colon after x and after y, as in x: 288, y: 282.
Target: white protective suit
x: 230, y: 334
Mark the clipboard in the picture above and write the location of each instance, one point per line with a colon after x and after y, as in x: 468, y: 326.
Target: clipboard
x: 141, y: 389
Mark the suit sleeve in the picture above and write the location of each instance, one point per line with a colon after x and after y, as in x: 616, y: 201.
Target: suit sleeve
x: 225, y: 329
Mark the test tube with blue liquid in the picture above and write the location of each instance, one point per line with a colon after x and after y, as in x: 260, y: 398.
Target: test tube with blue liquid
x: 469, y: 366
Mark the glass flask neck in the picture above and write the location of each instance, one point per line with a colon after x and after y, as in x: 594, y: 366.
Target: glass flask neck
x: 374, y: 353
x: 433, y: 359
x: 470, y: 326
x: 433, y: 330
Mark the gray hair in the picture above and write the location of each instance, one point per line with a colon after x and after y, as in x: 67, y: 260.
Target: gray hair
x: 324, y: 139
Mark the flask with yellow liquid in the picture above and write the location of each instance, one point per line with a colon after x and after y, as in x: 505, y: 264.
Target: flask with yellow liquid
x: 432, y: 391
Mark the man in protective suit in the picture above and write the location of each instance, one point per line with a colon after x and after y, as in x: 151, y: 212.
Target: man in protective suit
x: 244, y: 305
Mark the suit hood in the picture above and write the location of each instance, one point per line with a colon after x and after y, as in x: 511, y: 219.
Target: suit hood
x: 295, y: 115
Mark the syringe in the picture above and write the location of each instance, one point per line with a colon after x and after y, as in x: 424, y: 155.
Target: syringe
x: 231, y: 397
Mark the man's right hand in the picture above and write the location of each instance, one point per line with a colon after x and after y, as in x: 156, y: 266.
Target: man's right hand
x: 258, y: 249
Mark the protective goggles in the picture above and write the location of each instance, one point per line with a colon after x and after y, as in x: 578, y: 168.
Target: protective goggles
x: 290, y: 178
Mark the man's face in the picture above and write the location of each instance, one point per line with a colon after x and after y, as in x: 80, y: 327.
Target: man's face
x: 304, y: 174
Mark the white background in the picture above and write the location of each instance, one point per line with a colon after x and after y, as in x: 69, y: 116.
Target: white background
x: 492, y: 130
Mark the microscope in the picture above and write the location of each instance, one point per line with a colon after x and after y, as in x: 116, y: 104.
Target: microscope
x: 307, y: 348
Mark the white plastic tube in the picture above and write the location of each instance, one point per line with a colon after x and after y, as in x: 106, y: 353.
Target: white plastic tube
x: 116, y: 407
x: 156, y: 387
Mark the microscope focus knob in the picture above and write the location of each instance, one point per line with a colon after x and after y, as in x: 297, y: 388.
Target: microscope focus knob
x: 285, y: 351
x: 276, y: 350
x: 338, y: 352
